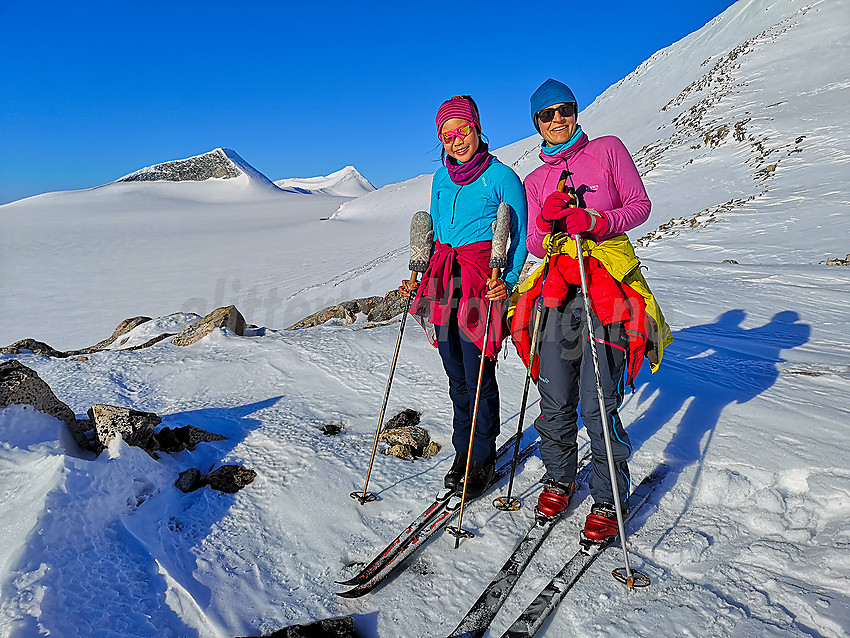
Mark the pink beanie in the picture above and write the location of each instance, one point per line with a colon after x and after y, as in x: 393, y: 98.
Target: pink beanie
x: 461, y: 106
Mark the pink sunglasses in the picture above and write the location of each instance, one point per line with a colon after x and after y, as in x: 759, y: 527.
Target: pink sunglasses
x: 460, y: 132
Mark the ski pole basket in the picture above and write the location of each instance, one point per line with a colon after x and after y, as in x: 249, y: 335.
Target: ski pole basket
x: 637, y: 579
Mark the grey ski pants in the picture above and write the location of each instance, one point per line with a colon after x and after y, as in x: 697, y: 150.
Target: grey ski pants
x: 567, y: 382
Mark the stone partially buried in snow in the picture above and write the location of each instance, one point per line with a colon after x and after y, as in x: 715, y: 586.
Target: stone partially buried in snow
x: 347, y: 311
x: 189, y: 480
x: 229, y: 478
x: 390, y: 306
x: 406, y: 439
x: 36, y: 347
x: 331, y: 628
x: 20, y: 385
x: 228, y: 317
x: 135, y: 427
x: 123, y: 328
x: 173, y: 440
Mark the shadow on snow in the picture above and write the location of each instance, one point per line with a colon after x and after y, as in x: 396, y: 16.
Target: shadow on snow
x: 107, y: 541
x: 705, y: 369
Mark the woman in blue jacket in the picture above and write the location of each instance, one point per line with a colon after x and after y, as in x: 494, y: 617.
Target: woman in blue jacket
x: 457, y: 285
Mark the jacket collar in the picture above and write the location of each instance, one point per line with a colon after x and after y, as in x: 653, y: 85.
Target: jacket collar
x: 562, y: 158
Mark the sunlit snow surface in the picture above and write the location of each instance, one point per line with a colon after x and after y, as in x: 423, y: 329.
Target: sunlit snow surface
x: 749, y: 535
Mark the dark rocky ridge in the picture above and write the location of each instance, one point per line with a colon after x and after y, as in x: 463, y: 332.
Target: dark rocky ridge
x: 213, y: 165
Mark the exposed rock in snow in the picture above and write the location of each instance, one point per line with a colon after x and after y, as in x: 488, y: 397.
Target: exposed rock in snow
x: 229, y: 478
x: 228, y: 317
x: 407, y: 440
x: 836, y: 261
x: 20, y: 385
x: 331, y: 628
x: 189, y: 480
x: 377, y: 309
x: 346, y: 182
x: 173, y: 440
x: 123, y: 328
x: 135, y: 427
x: 347, y: 311
x: 392, y: 305
x: 221, y: 163
x: 31, y: 345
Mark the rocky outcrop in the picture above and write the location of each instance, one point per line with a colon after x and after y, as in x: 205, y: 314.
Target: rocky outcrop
x: 172, y: 440
x: 227, y: 317
x: 835, y: 261
x: 36, y: 347
x: 406, y: 439
x: 347, y: 311
x: 392, y: 305
x: 377, y: 309
x: 189, y: 480
x: 331, y: 628
x: 229, y: 478
x: 20, y: 385
x: 123, y: 328
x: 332, y: 429
x: 700, y: 220
x: 213, y: 165
x: 135, y: 427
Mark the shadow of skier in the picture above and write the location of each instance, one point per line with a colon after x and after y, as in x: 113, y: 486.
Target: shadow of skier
x: 707, y: 368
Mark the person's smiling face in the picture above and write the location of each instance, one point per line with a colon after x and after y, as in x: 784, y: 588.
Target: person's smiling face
x: 560, y: 129
x: 461, y: 147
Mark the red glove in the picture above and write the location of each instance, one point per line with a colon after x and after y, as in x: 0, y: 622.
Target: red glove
x: 582, y: 220
x: 569, y: 219
x: 556, y: 206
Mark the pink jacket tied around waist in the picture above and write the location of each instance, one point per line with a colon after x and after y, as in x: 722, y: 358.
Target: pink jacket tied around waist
x: 435, y: 299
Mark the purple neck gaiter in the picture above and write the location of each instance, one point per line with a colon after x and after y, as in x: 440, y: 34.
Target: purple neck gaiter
x: 467, y: 172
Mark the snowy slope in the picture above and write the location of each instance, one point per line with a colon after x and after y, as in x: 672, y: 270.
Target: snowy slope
x: 79, y: 262
x: 346, y: 182
x: 749, y: 534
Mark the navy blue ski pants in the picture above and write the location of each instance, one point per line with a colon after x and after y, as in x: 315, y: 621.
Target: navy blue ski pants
x: 567, y: 381
x: 461, y: 361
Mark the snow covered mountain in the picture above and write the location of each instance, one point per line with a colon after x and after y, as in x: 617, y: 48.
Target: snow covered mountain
x: 183, y: 235
x: 346, y: 182
x: 739, y: 132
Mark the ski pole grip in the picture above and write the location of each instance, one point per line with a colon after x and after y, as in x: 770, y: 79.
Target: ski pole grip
x: 562, y: 188
x: 421, y: 241
x: 501, y: 229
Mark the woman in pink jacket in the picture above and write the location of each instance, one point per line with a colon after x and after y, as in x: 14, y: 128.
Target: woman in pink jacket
x: 609, y: 199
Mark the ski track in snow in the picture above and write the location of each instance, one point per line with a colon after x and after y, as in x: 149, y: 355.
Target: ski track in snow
x: 748, y: 535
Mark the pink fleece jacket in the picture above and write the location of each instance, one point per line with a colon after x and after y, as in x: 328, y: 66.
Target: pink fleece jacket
x: 606, y: 179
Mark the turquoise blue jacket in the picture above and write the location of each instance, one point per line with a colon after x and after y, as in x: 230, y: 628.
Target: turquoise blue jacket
x: 463, y: 215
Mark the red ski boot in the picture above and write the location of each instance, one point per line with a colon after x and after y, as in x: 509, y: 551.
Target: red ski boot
x: 555, y: 498
x: 601, y: 524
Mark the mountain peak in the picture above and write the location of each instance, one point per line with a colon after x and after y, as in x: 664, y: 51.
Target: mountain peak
x: 346, y: 182
x: 220, y: 163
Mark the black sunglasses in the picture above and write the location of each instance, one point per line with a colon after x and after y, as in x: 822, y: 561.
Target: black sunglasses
x: 548, y: 114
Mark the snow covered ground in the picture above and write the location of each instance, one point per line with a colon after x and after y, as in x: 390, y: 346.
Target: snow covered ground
x: 749, y: 534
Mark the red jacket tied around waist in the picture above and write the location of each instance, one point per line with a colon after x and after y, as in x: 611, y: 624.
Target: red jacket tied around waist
x: 611, y: 301
x: 457, y: 278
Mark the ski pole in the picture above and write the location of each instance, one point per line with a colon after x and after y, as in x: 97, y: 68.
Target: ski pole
x: 421, y: 239
x: 498, y: 259
x: 624, y: 574
x: 509, y: 503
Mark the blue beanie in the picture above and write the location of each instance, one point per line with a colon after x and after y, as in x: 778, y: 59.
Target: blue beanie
x: 549, y: 93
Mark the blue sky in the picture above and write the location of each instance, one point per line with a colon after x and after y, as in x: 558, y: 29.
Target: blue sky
x: 91, y: 91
